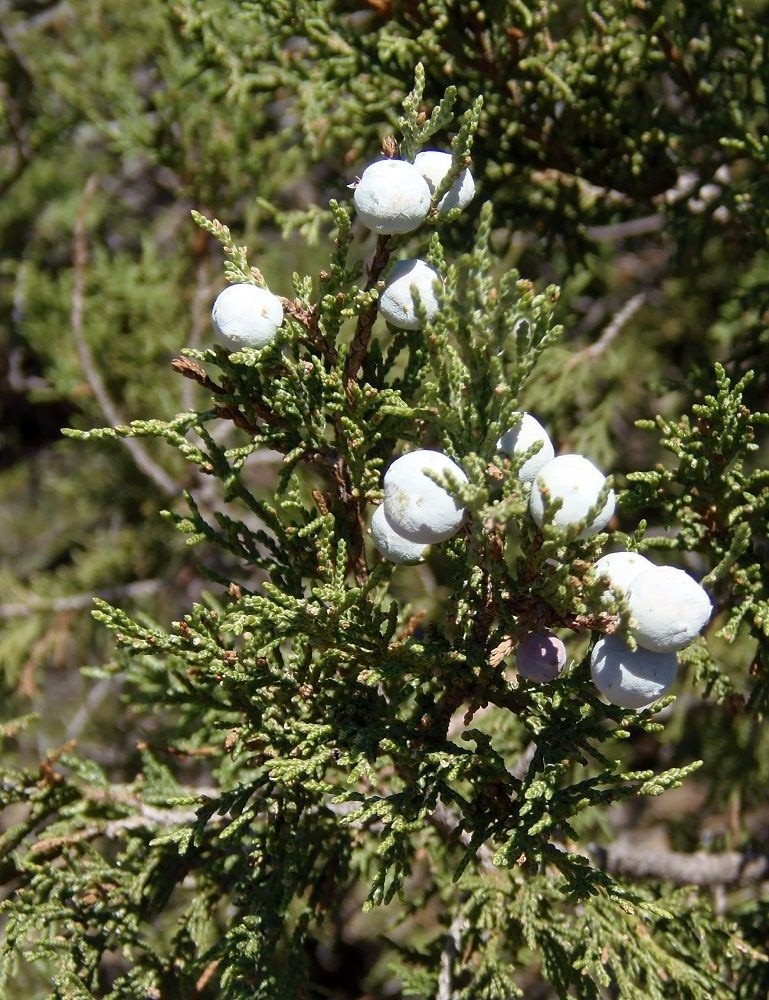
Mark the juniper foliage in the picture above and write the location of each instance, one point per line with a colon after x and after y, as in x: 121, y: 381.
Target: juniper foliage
x: 320, y: 734
x: 328, y: 704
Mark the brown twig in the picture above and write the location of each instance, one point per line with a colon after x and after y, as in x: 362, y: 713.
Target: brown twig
x: 675, y: 59
x: 534, y: 614
x: 309, y: 319
x: 192, y: 370
x: 205, y: 978
x: 354, y: 514
x: 239, y: 419
x: 196, y: 373
x: 365, y: 324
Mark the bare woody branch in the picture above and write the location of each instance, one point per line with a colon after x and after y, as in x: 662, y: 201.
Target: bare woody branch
x: 451, y: 948
x: 625, y: 859
x: 611, y: 331
x: 143, y: 460
x: 79, y: 602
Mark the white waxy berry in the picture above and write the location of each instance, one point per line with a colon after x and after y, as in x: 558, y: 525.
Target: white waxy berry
x: 540, y: 657
x: 575, y: 481
x: 390, y: 544
x: 416, y: 507
x: 434, y: 164
x: 246, y: 315
x: 620, y: 569
x: 669, y: 608
x: 631, y: 678
x: 523, y: 436
x: 392, y: 197
x: 397, y: 303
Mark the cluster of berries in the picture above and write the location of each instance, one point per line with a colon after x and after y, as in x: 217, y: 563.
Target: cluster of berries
x: 394, y: 196
x: 668, y: 608
x: 391, y: 197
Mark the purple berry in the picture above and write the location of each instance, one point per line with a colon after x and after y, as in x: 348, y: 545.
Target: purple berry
x: 540, y: 657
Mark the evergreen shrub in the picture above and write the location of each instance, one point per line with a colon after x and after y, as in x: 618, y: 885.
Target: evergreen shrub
x: 330, y: 757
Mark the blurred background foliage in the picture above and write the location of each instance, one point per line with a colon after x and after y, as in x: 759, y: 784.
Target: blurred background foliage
x: 624, y: 146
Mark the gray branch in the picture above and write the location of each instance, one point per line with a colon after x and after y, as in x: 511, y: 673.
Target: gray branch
x: 625, y: 859
x: 79, y: 602
x: 140, y: 455
x: 451, y: 948
x: 611, y: 331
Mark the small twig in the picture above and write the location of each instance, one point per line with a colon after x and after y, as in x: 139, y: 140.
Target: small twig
x: 20, y: 144
x: 447, y: 822
x: 95, y: 697
x: 684, y: 76
x: 129, y: 796
x: 37, y: 22
x: 610, y: 332
x: 161, y: 819
x: 625, y: 859
x: 201, y: 312
x: 629, y: 228
x: 192, y: 370
x: 205, y: 977
x: 533, y: 613
x: 362, y: 335
x: 309, y: 319
x: 144, y: 815
x: 141, y: 457
x: 107, y: 828
x: 522, y: 765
